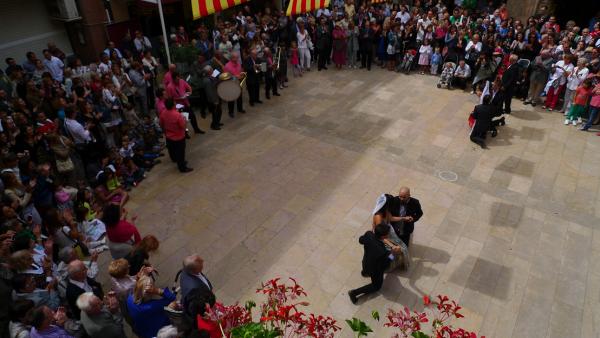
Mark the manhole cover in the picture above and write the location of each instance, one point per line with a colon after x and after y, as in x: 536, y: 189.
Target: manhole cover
x: 446, y: 175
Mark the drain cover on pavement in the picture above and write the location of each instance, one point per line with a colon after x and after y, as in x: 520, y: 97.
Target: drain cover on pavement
x: 446, y: 175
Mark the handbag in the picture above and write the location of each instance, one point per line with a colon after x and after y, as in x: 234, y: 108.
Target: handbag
x: 309, y: 44
x: 64, y: 166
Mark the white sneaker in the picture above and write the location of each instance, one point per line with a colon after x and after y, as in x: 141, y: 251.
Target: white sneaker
x: 574, y: 122
x: 579, y: 120
x: 566, y: 113
x: 566, y: 122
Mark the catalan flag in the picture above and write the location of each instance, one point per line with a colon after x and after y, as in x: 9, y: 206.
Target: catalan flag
x: 303, y: 6
x: 202, y: 8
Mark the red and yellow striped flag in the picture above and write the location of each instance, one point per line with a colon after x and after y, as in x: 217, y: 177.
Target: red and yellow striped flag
x: 202, y: 8
x: 303, y: 6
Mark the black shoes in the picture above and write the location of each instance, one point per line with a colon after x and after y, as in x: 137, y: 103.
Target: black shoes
x: 353, y: 298
x: 215, y: 128
x: 276, y: 94
x: 186, y: 170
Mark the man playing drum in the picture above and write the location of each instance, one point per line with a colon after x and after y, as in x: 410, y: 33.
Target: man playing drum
x: 234, y: 67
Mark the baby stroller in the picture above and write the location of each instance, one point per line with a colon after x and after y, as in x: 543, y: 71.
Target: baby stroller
x: 447, y: 75
x: 407, y: 61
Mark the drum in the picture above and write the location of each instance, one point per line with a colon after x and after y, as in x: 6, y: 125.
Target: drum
x: 229, y: 90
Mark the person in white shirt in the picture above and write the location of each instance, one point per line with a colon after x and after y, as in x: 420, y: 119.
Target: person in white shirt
x: 79, y: 133
x: 573, y: 81
x: 54, y: 65
x: 111, y: 47
x: 473, y: 48
x: 105, y: 65
x: 461, y: 74
x: 303, y: 43
x: 141, y: 42
x: 403, y: 15
x: 556, y: 83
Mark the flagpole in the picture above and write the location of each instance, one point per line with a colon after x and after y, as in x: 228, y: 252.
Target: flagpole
x: 164, y: 30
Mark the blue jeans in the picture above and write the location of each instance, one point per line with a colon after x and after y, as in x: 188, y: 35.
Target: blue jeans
x: 593, y: 114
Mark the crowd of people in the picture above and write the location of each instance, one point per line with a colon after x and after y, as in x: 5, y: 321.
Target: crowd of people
x: 75, y: 139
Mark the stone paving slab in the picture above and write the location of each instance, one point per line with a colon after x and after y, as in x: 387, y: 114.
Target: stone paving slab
x: 287, y: 188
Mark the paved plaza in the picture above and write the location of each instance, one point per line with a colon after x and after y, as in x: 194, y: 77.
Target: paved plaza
x: 287, y: 188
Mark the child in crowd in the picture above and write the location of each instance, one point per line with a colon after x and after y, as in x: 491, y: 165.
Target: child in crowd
x: 580, y: 100
x: 296, y: 70
x: 425, y: 52
x: 129, y: 173
x: 126, y: 149
x: 436, y: 61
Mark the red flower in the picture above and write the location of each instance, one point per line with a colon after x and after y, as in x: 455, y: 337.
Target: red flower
x: 426, y: 300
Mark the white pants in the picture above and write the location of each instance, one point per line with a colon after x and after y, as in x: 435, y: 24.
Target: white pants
x: 304, y: 55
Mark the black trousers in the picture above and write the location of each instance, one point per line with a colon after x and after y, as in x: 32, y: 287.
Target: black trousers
x: 508, y: 95
x: 193, y: 120
x: 374, y: 286
x: 215, y: 111
x: 322, y: 58
x: 459, y: 82
x: 366, y: 58
x: 405, y: 238
x: 253, y: 93
x: 240, y: 105
x: 270, y: 86
x: 479, y: 140
x: 176, y: 151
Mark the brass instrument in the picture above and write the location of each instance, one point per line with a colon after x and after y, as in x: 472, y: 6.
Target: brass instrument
x: 243, y: 77
x: 278, y: 57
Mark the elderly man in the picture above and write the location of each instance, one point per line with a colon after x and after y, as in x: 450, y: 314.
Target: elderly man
x: 192, y: 276
x: 80, y: 283
x: 509, y: 81
x: 252, y: 69
x: 405, y: 212
x: 234, y: 67
x: 100, y: 320
x: 461, y: 74
x: 209, y: 84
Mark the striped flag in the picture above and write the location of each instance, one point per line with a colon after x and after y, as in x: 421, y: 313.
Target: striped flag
x: 202, y: 8
x: 303, y: 6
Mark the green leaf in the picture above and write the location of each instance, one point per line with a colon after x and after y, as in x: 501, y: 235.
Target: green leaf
x: 419, y: 334
x: 361, y: 328
x: 249, y: 305
x: 254, y: 330
x: 375, y: 315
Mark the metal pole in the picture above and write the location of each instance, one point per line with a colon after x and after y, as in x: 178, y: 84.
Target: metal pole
x: 162, y: 23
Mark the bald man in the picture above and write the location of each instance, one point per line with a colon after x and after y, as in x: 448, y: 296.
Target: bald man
x: 192, y: 276
x: 79, y: 283
x: 509, y: 81
x: 405, y: 211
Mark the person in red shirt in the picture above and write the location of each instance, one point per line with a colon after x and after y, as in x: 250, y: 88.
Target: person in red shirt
x: 179, y: 91
x: 118, y: 229
x: 173, y: 124
x: 234, y: 67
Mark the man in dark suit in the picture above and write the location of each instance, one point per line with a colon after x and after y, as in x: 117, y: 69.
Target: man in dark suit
x: 252, y: 68
x: 509, y: 81
x: 405, y: 212
x: 79, y: 283
x: 376, y: 260
x: 365, y: 45
x: 483, y: 114
x: 192, y: 276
